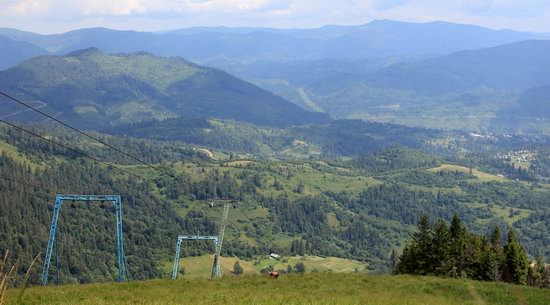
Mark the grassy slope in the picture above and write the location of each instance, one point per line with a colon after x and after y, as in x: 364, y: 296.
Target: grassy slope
x: 482, y: 176
x: 201, y: 266
x: 320, y: 288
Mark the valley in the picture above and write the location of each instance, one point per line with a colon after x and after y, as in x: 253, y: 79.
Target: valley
x: 388, y: 162
x: 324, y: 203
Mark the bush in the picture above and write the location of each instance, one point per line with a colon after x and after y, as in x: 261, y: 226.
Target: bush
x: 300, y: 268
x: 237, y: 269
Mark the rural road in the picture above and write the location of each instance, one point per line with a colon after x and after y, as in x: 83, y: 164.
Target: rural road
x: 39, y: 105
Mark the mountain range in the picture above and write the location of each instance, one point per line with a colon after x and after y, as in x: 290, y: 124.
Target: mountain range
x: 489, y: 86
x: 377, y: 39
x: 435, y: 74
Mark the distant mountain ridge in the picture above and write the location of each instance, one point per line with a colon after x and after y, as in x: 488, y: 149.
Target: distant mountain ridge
x: 520, y: 65
x: 473, y: 88
x: 13, y: 52
x: 380, y: 38
x: 99, y: 89
x: 383, y: 70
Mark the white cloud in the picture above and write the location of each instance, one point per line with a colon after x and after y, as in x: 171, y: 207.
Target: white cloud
x: 62, y: 15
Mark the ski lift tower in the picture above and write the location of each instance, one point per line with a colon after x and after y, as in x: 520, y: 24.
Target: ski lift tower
x: 218, y: 241
x: 59, y: 199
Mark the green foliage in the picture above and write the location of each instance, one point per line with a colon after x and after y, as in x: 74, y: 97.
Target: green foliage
x: 94, y: 89
x: 300, y: 268
x: 396, y: 158
x: 342, y: 137
x: 342, y: 211
x: 516, y: 263
x: 441, y: 251
x: 237, y: 269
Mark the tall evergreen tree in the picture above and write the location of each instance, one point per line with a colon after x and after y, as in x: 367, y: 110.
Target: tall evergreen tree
x: 441, y: 247
x: 516, y: 260
x: 457, y: 247
x: 489, y: 262
x: 394, y: 260
x: 424, y: 246
x: 496, y: 245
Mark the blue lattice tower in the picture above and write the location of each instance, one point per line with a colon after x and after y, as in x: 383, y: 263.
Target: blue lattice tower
x: 59, y: 199
x: 181, y: 238
x: 216, y: 269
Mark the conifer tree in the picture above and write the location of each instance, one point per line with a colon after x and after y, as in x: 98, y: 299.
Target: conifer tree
x: 499, y: 252
x: 489, y: 262
x: 516, y: 260
x: 472, y: 255
x: 441, y: 247
x: 457, y: 247
x: 424, y: 247
x: 394, y: 260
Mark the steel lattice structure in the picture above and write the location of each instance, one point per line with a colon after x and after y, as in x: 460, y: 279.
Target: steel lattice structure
x: 218, y: 241
x: 216, y: 269
x: 181, y: 238
x: 59, y: 199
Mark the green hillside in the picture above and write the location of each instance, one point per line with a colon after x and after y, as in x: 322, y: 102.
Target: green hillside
x: 98, y: 90
x: 356, y: 209
x: 318, y: 288
x: 338, y: 138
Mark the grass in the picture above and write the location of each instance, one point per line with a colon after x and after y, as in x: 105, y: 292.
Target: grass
x: 7, y: 274
x: 318, y: 288
x: 19, y: 157
x: 201, y: 266
x: 333, y: 264
x: 482, y: 176
x: 504, y: 213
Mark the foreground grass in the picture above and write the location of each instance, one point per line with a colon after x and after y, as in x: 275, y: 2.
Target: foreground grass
x: 320, y: 288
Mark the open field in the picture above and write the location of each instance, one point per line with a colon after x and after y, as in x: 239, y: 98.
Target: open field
x: 320, y: 288
x: 482, y: 176
x: 201, y: 266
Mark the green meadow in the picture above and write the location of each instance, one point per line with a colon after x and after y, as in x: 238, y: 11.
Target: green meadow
x: 313, y: 288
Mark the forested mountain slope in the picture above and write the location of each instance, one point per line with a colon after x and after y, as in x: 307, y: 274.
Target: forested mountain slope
x: 358, y: 209
x: 516, y: 66
x: 474, y: 89
x: 97, y: 89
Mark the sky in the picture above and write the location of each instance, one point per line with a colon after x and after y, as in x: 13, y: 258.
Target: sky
x: 57, y: 16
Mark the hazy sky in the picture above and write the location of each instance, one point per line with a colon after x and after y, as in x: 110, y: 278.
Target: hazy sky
x: 54, y: 16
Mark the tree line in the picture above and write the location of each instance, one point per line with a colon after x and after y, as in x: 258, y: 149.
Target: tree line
x: 451, y: 250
